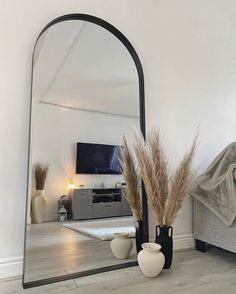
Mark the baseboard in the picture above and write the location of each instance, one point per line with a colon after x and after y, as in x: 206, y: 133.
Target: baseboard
x: 51, y: 218
x: 28, y: 220
x: 182, y: 241
x: 11, y: 267
x: 47, y: 218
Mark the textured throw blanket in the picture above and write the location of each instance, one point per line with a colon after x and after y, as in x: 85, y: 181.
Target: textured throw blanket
x: 216, y: 188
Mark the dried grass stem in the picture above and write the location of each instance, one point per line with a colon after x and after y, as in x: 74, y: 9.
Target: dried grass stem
x: 131, y: 176
x: 165, y: 194
x: 40, y: 173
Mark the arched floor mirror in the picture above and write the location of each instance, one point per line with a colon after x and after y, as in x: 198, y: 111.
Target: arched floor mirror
x: 87, y: 92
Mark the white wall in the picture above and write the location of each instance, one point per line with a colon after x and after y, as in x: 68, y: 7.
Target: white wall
x: 55, y: 131
x: 187, y: 49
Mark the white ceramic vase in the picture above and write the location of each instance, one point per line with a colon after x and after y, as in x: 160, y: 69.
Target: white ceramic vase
x: 39, y: 206
x: 151, y: 260
x: 121, y: 245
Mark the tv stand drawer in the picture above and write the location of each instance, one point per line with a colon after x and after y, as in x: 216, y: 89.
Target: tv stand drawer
x: 107, y: 209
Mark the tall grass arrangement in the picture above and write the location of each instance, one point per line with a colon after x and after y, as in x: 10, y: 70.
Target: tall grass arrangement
x: 182, y: 182
x: 40, y: 174
x: 165, y: 192
x: 132, y: 179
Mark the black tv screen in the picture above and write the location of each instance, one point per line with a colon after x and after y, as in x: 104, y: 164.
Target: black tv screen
x: 97, y: 159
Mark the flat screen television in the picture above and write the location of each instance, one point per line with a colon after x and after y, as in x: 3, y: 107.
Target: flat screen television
x: 98, y: 159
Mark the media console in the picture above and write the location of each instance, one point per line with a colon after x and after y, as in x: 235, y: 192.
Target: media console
x: 99, y: 203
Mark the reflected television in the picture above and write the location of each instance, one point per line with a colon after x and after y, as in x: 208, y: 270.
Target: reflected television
x: 98, y: 159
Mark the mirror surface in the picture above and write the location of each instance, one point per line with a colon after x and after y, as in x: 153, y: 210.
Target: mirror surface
x: 85, y: 97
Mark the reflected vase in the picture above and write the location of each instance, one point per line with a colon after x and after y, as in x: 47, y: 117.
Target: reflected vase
x: 164, y: 237
x: 121, y: 245
x: 139, y: 235
x: 39, y: 206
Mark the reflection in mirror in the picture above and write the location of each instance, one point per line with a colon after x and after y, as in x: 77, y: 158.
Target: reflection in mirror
x: 85, y: 96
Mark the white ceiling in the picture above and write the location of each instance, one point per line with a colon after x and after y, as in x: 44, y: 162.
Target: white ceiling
x: 83, y: 66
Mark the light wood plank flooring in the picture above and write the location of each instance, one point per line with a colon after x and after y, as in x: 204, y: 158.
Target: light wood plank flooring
x: 53, y: 250
x: 192, y: 272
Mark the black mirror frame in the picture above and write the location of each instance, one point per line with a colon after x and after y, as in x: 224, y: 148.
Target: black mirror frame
x: 138, y: 65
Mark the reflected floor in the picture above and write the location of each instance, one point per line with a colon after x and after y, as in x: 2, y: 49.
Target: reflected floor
x: 53, y: 250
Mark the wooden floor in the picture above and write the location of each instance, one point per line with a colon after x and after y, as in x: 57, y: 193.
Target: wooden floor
x: 53, y: 250
x: 192, y: 272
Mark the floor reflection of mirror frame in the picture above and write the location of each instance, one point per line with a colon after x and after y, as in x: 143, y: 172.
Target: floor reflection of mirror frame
x: 138, y: 65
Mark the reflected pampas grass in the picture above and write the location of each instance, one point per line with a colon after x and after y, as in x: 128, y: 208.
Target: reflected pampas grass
x: 40, y: 173
x: 131, y: 176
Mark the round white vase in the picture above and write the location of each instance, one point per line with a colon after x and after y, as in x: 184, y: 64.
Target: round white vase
x: 39, y: 205
x: 121, y: 245
x: 151, y: 260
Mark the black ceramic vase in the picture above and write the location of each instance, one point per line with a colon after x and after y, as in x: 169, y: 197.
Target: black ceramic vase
x: 139, y: 235
x: 164, y: 237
